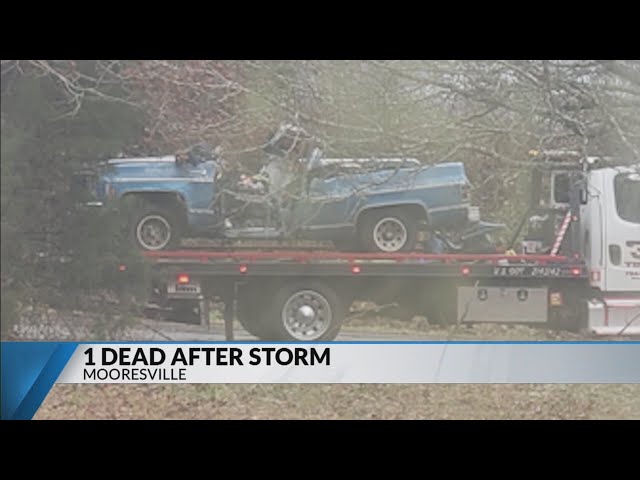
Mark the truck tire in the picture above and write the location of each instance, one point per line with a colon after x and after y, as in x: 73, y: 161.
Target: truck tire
x: 155, y: 228
x: 305, y: 311
x: 388, y: 230
x: 250, y: 313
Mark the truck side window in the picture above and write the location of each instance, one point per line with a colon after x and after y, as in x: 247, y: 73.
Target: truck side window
x: 561, y: 186
x: 627, y: 191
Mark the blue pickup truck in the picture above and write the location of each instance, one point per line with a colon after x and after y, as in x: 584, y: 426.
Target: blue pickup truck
x: 364, y: 204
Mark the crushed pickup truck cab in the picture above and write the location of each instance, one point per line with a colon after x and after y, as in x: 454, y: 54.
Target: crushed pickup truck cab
x: 363, y: 204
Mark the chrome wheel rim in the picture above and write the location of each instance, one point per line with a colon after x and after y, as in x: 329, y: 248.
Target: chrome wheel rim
x: 307, y: 315
x: 390, y: 234
x: 153, y: 232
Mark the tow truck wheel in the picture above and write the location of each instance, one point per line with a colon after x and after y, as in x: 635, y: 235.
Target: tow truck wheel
x: 155, y: 228
x: 250, y: 314
x: 305, y: 311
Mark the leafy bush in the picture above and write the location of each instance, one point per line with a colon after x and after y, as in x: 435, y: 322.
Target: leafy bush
x: 51, y: 253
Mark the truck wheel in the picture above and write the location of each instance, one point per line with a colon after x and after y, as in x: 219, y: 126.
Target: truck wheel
x: 305, y: 311
x: 388, y: 230
x: 250, y: 313
x: 156, y: 228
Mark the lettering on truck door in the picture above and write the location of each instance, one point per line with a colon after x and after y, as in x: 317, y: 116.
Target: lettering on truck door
x: 623, y: 231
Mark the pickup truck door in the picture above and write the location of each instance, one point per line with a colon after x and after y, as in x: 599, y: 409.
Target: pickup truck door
x: 200, y: 190
x: 327, y: 203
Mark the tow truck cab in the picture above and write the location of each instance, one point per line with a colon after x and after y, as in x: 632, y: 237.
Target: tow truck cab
x: 610, y: 233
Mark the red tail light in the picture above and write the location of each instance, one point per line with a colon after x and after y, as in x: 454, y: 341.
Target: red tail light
x: 355, y: 269
x: 183, y: 279
x: 243, y: 269
x: 465, y: 271
x: 576, y: 271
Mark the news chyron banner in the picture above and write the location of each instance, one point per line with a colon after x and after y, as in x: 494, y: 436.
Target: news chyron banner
x: 29, y: 370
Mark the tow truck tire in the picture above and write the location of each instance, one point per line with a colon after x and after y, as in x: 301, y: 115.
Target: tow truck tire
x: 305, y: 311
x: 250, y: 313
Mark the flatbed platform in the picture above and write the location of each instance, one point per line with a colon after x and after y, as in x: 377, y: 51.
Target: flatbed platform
x: 325, y: 263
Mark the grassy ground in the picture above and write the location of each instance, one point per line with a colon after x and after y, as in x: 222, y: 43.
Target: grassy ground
x: 342, y: 402
x: 356, y: 401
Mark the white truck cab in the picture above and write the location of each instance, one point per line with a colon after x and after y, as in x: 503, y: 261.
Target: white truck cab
x: 610, y: 234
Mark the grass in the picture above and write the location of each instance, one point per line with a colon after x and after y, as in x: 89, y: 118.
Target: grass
x: 356, y: 401
x: 360, y: 401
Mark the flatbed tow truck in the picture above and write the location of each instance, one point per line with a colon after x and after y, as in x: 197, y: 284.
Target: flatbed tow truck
x: 582, y: 275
